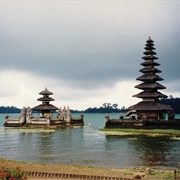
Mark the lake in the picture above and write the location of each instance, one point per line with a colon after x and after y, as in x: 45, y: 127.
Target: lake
x: 88, y: 146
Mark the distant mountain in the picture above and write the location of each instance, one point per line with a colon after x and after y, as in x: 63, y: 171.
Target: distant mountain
x: 9, y: 109
x: 12, y: 109
x: 100, y: 110
x: 106, y: 108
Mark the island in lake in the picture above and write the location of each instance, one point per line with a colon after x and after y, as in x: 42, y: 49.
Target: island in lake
x: 150, y: 113
x: 46, y: 117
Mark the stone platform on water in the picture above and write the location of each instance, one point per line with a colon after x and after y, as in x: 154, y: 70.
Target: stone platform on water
x: 143, y: 124
x: 27, y: 119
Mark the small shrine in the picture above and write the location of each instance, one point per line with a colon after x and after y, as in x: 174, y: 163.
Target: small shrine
x: 45, y: 109
x: 150, y: 112
x: 48, y: 115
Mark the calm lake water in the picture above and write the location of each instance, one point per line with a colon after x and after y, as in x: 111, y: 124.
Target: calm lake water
x: 88, y: 146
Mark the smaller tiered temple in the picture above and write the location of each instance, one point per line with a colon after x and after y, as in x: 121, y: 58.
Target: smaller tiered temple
x: 48, y: 115
x: 45, y: 108
x: 150, y: 112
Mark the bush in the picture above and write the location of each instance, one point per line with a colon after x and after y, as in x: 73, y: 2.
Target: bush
x: 12, y: 174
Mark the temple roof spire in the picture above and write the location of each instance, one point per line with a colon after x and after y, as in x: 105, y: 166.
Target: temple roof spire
x: 150, y: 85
x: 45, y: 106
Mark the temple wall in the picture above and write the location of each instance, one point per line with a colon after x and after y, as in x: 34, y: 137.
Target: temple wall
x: 143, y: 124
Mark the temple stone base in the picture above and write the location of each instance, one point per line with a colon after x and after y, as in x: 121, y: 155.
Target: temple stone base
x: 27, y: 119
x: 143, y: 124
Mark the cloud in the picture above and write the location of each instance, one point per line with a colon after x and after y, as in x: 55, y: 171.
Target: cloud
x: 24, y: 91
x: 87, y: 46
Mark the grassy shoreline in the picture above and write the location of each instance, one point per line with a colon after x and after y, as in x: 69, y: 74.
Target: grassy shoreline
x: 171, y: 132
x: 144, y: 172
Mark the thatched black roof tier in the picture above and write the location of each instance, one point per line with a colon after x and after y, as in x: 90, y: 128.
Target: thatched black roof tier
x: 149, y: 57
x: 146, y: 85
x: 44, y: 107
x: 45, y: 99
x: 150, y: 63
x: 150, y: 94
x: 46, y: 92
x: 151, y: 52
x: 150, y: 106
x: 149, y: 48
x: 149, y: 40
x: 150, y: 70
x: 149, y: 77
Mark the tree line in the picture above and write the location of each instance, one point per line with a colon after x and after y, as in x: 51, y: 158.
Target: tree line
x: 105, y: 108
x: 9, y: 109
x: 173, y: 102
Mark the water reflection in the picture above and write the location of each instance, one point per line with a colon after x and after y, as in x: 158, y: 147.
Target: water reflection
x: 119, y: 151
x: 149, y: 151
x: 44, y: 145
x: 58, y: 146
x: 155, y: 150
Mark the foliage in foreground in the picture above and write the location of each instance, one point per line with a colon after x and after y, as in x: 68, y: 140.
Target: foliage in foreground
x: 12, y: 174
x: 150, y: 173
x: 160, y: 174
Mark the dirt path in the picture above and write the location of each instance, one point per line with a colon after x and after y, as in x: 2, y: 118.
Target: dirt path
x: 144, y: 173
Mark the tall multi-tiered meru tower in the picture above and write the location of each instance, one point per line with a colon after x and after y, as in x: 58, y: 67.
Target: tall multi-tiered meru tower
x: 150, y: 107
x: 150, y: 113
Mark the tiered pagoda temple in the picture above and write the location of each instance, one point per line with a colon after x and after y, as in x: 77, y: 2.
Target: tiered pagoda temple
x: 49, y: 115
x: 150, y: 112
x: 45, y: 108
x: 150, y: 107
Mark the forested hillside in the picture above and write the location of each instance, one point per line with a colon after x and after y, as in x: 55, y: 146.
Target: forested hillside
x: 173, y: 102
x: 105, y: 108
x: 9, y: 109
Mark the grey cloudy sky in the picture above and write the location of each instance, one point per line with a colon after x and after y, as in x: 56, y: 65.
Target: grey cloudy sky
x: 86, y: 52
